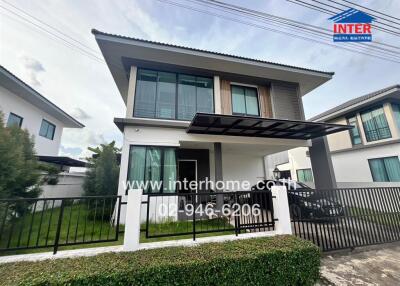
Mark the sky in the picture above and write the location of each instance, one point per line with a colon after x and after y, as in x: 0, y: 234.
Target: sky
x: 83, y: 86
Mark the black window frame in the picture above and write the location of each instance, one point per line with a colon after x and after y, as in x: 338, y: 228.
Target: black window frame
x: 351, y: 130
x: 245, y: 106
x: 370, y: 110
x: 386, y: 173
x: 15, y: 115
x: 162, y: 148
x: 48, y: 124
x: 176, y: 93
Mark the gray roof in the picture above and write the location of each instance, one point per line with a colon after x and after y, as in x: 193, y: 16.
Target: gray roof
x: 11, y: 82
x: 97, y: 32
x: 355, y: 101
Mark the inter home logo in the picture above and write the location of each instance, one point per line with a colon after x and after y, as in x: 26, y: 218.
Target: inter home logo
x: 352, y: 26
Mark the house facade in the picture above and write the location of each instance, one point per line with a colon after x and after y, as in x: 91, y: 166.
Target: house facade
x: 23, y: 106
x: 369, y: 153
x: 196, y: 115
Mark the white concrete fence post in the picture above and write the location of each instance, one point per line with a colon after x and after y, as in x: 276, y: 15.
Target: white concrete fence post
x: 132, y: 220
x: 281, y: 210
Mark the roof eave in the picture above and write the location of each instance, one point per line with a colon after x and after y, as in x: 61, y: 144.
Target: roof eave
x: 58, y: 113
x: 114, y: 47
x: 351, y: 108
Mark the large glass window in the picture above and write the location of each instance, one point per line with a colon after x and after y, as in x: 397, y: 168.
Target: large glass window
x: 244, y: 101
x: 385, y: 169
x: 375, y: 125
x: 304, y: 175
x: 145, y: 97
x: 14, y: 120
x: 47, y: 130
x: 195, y: 94
x: 355, y: 132
x: 396, y: 114
x: 152, y: 169
x: 167, y: 95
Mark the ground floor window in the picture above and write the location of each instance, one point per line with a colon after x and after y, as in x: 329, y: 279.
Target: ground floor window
x: 304, y: 175
x: 152, y: 168
x: 385, y: 169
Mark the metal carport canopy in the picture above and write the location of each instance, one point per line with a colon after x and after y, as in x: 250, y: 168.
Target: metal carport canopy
x: 238, y: 125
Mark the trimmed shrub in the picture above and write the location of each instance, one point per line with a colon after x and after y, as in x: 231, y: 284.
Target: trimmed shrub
x: 279, y: 260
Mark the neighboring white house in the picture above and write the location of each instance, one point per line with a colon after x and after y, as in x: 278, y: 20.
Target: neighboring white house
x: 367, y: 155
x: 193, y: 114
x: 25, y: 107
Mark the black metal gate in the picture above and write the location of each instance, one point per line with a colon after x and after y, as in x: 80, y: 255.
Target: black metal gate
x: 193, y: 214
x: 346, y: 218
x: 53, y: 222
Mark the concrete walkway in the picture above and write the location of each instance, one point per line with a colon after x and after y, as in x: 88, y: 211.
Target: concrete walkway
x: 375, y: 265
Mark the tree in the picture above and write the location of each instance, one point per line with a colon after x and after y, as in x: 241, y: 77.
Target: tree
x: 20, y: 176
x: 103, y: 171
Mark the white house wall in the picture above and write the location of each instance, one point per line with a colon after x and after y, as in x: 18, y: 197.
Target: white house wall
x: 32, y: 120
x: 353, y: 166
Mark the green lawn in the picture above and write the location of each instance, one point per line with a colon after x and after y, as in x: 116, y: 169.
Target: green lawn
x: 78, y: 226
x: 40, y: 229
x: 186, y: 226
x: 388, y: 219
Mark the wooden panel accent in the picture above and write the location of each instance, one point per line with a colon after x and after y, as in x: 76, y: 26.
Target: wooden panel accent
x: 226, y: 98
x: 265, y: 101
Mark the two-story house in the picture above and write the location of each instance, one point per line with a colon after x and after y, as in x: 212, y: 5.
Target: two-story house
x: 193, y: 114
x: 368, y: 154
x: 23, y: 106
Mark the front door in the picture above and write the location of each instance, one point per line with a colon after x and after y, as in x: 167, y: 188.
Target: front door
x: 187, y: 172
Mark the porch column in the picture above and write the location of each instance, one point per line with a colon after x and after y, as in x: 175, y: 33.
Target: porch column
x: 321, y: 161
x: 218, y: 161
x: 218, y: 171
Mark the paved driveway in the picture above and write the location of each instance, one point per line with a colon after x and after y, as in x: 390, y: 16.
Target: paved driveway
x: 377, y: 265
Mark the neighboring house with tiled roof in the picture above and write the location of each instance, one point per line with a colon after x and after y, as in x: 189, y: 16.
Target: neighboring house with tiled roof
x: 23, y: 106
x: 370, y: 151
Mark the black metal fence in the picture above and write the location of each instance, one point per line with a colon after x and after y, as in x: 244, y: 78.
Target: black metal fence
x: 194, y: 214
x: 346, y: 218
x: 55, y: 222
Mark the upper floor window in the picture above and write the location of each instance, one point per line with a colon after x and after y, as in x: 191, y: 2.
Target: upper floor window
x: 47, y: 130
x: 167, y: 95
x: 304, y: 175
x: 244, y: 101
x: 14, y: 120
x: 355, y: 132
x: 396, y: 114
x: 385, y: 169
x: 375, y: 125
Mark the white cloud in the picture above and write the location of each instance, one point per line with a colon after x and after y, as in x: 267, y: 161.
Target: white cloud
x: 80, y: 114
x: 32, y: 69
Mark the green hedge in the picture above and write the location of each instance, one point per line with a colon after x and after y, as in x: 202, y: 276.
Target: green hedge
x: 279, y: 260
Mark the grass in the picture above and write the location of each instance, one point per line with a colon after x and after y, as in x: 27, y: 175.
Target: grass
x: 170, y: 227
x: 387, y: 219
x: 39, y: 229
x: 78, y: 226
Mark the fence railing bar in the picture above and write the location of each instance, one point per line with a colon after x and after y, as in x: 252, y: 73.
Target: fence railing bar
x: 40, y: 223
x: 49, y: 225
x: 77, y: 221
x: 22, y: 224
x: 94, y: 220
x: 102, y: 218
x: 71, y: 206
x: 3, y: 223
x: 31, y: 224
x: 60, y: 217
